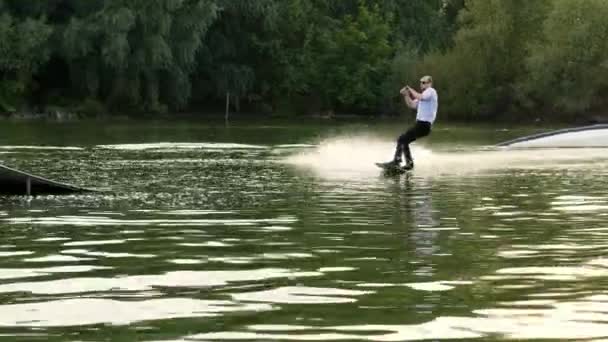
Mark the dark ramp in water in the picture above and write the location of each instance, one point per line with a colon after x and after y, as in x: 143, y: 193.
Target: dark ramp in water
x: 586, y: 136
x: 15, y: 182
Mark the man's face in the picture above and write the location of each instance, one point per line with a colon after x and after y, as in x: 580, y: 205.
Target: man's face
x: 424, y: 84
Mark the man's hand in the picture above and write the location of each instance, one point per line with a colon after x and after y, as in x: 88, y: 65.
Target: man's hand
x: 413, y: 93
x: 404, y: 91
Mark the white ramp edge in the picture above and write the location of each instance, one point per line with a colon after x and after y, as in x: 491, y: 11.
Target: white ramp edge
x: 586, y: 136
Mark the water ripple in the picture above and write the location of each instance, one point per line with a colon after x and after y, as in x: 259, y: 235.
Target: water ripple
x: 92, y: 311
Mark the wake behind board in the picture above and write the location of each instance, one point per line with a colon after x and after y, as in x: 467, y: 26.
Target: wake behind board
x: 392, y: 169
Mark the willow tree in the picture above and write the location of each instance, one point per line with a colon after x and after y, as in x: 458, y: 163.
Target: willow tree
x: 137, y: 54
x: 420, y: 27
x: 354, y: 62
x: 423, y: 24
x: 568, y: 69
x: 23, y: 48
x: 235, y: 56
x: 332, y: 55
x: 478, y: 77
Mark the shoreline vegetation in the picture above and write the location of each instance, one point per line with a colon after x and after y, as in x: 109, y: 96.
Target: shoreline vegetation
x: 492, y: 60
x: 59, y: 115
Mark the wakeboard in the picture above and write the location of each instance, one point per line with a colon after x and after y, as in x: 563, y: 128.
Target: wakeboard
x: 393, y: 169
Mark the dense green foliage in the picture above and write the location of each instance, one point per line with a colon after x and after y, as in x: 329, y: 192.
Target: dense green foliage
x: 489, y: 58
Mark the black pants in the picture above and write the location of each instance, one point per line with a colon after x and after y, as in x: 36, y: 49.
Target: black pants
x: 419, y: 130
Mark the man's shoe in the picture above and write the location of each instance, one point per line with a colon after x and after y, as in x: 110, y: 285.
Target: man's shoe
x: 392, y: 163
x: 408, y: 165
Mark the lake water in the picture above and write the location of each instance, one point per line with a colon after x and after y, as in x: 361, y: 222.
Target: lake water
x: 282, y: 232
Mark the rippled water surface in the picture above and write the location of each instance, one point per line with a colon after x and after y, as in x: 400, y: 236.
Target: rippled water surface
x: 288, y: 232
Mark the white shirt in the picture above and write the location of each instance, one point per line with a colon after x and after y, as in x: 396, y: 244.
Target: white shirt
x: 427, y: 106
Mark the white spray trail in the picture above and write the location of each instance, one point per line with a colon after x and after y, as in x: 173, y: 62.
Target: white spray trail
x: 354, y: 157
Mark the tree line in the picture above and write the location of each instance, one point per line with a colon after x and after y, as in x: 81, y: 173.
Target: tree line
x: 489, y: 58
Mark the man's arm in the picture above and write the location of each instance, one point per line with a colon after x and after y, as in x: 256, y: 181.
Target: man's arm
x: 417, y: 95
x: 413, y: 104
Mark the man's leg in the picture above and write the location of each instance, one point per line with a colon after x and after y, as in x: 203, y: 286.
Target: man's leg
x: 398, y: 152
x: 422, y: 129
x: 403, y: 147
x: 399, y: 149
x: 409, y: 161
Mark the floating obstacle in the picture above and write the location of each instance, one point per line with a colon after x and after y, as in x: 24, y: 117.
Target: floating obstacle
x: 586, y: 136
x: 15, y: 182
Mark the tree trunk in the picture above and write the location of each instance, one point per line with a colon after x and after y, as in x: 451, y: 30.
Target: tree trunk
x: 227, y: 107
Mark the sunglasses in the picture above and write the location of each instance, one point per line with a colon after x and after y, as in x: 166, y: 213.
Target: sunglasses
x: 423, y: 82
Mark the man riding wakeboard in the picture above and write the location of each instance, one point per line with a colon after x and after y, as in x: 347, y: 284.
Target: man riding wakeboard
x: 426, y: 102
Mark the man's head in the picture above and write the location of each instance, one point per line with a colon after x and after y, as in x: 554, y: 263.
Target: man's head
x: 426, y: 82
